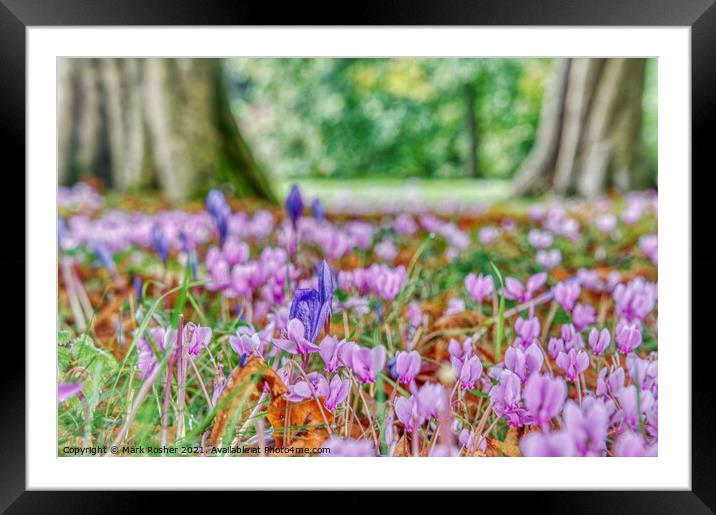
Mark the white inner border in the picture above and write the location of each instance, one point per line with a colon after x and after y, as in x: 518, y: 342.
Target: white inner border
x: 670, y: 470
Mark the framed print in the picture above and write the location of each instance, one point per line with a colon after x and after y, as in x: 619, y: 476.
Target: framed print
x: 425, y: 246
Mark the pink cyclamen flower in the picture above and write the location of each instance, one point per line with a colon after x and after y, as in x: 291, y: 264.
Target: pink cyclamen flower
x: 611, y: 384
x: 405, y: 224
x: 566, y: 294
x: 587, y: 425
x: 527, y: 330
x: 606, y: 223
x: 431, y: 399
x: 555, y: 346
x: 468, y: 372
x: 295, y: 343
x: 583, y: 315
x: 599, y: 340
x: 67, y: 390
x: 573, y: 363
x: 337, y: 392
x: 366, y: 363
x: 415, y: 314
x: 487, y: 235
x: 544, y: 397
x: 649, y: 245
x: 348, y: 448
x: 407, y: 365
x: 407, y: 413
x: 549, y: 258
x: 539, y: 239
x: 628, y: 336
x: 479, y: 286
x: 632, y: 445
x: 524, y: 362
x: 547, y: 445
x: 460, y: 351
x: 505, y: 396
x: 515, y: 290
x: 328, y: 350
x: 197, y: 337
x: 163, y: 338
x: 248, y: 342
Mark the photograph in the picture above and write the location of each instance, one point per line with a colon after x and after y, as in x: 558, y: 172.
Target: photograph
x: 357, y: 257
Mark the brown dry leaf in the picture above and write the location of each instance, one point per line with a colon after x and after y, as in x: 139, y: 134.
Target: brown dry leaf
x: 244, y: 384
x: 510, y: 448
x: 402, y: 448
x: 299, y: 425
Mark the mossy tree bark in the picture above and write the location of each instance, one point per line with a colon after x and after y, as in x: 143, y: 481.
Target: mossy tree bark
x: 163, y: 123
x: 589, y: 139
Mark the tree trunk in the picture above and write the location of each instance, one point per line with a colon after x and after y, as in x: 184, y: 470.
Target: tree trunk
x: 590, y: 130
x: 137, y: 123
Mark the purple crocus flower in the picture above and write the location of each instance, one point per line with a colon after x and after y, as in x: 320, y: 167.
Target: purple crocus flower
x: 544, y: 397
x: 479, y: 286
x: 567, y: 293
x: 104, y: 255
x: 573, y: 363
x: 628, y: 336
x: 215, y: 202
x: 67, y: 390
x: 294, y: 204
x: 543, y: 445
x: 599, y: 340
x: 296, y: 341
x: 515, y: 290
x: 366, y: 363
x: 407, y: 366
x: 159, y: 243
x: 583, y: 315
x: 219, y: 210
x: 310, y: 310
x: 317, y: 210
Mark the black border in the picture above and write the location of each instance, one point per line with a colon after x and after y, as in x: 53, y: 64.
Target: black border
x: 17, y: 15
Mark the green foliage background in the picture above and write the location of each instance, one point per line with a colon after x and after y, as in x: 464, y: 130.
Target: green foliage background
x: 403, y: 117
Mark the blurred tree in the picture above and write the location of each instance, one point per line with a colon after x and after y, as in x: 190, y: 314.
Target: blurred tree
x: 590, y: 132
x: 402, y: 117
x: 152, y: 122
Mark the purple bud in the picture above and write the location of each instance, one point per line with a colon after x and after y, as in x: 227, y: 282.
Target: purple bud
x: 294, y: 204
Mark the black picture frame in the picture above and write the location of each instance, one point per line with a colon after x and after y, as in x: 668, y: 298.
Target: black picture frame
x: 17, y: 15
